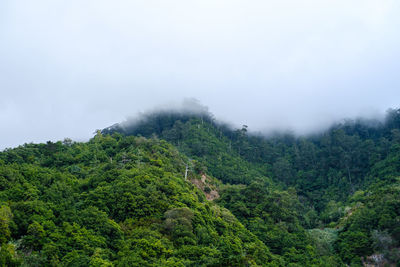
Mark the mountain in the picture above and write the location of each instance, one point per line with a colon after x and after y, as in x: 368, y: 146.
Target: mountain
x: 322, y: 173
x: 115, y: 200
x: 323, y: 167
x: 178, y: 188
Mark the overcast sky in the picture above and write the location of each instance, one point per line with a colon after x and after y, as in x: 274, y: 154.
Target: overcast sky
x: 70, y: 67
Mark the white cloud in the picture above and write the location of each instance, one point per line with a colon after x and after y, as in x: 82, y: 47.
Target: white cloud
x: 264, y: 63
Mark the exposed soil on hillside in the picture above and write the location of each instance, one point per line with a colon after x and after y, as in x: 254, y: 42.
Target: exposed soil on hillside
x: 204, y: 184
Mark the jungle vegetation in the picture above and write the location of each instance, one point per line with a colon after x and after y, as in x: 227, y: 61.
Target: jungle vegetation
x: 121, y: 199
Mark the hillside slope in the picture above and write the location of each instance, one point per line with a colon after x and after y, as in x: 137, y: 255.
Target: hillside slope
x: 115, y: 200
x: 317, y: 176
x: 122, y: 199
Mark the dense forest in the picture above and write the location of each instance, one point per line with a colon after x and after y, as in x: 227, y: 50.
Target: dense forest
x: 179, y: 188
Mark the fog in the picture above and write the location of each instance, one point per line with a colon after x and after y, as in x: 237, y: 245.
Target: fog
x: 68, y: 68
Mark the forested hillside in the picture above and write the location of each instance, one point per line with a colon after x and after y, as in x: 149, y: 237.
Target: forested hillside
x: 323, y: 180
x: 123, y: 198
x: 114, y: 201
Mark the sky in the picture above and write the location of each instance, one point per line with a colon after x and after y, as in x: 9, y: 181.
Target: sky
x: 70, y: 67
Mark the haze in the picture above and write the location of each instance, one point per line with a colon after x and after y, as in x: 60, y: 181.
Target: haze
x: 68, y: 68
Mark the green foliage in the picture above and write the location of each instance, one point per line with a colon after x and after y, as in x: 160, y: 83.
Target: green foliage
x: 274, y: 217
x: 114, y: 201
x: 5, y: 219
x: 122, y: 200
x: 8, y: 256
x: 352, y: 244
x: 324, y: 240
x: 373, y: 225
x: 325, y: 169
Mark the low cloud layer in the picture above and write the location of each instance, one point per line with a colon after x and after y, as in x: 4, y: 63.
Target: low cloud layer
x: 70, y: 67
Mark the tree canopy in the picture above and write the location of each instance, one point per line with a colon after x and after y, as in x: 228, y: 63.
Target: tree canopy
x: 121, y: 199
